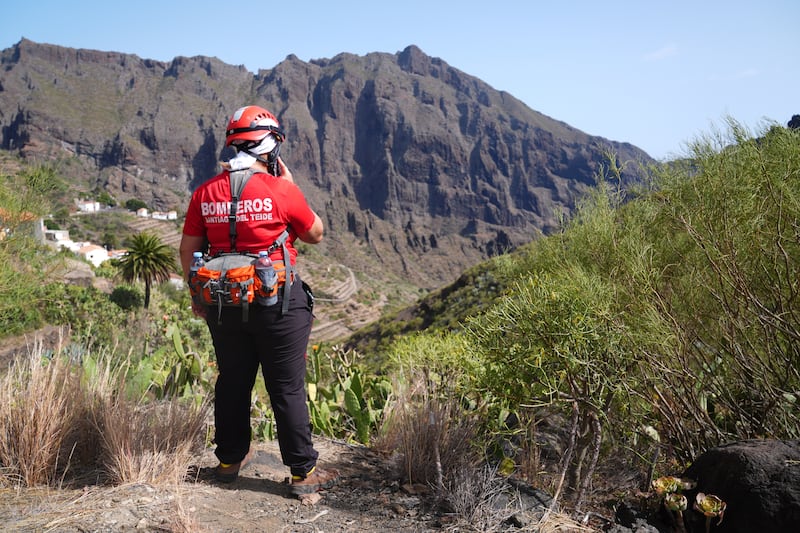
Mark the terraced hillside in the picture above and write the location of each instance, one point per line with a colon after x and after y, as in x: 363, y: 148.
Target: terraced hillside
x: 341, y: 307
x: 166, y: 229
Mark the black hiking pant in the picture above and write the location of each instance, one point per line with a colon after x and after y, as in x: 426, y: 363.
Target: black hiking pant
x: 278, y: 343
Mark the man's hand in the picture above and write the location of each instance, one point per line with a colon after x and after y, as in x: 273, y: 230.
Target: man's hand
x: 286, y: 174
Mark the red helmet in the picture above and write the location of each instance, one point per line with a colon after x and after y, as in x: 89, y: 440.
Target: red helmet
x: 249, y: 125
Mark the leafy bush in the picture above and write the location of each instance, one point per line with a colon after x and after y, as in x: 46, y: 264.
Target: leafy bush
x: 134, y: 204
x: 90, y: 314
x: 127, y: 297
x: 728, y: 288
x: 672, y: 306
x: 23, y: 266
x: 434, y: 420
x: 105, y: 198
x: 557, y: 342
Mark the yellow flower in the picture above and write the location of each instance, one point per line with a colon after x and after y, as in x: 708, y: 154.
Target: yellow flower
x: 710, y: 505
x: 666, y: 485
x: 670, y: 484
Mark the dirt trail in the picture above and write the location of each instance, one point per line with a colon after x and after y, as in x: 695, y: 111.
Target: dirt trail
x: 367, y: 497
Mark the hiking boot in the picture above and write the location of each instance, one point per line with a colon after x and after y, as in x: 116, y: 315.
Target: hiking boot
x: 227, y: 473
x: 315, y: 480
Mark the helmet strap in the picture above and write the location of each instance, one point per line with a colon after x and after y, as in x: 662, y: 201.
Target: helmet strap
x: 271, y: 159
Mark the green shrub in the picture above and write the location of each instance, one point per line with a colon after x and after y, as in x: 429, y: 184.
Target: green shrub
x: 134, y: 204
x: 727, y: 248
x: 127, y: 297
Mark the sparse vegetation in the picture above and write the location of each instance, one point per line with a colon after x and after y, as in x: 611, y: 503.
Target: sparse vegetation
x: 663, y: 316
x: 82, y: 421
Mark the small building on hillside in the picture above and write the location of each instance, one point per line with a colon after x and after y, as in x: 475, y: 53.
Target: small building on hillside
x: 56, y: 236
x: 169, y: 215
x: 94, y: 254
x: 117, y: 254
x: 176, y: 281
x: 87, y: 206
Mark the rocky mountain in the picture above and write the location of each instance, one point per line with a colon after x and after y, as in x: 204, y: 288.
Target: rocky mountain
x: 418, y: 169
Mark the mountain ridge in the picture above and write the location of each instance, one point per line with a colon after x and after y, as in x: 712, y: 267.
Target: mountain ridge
x: 418, y: 169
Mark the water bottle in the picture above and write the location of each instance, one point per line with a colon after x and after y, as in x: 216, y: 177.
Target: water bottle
x: 197, y: 263
x: 269, y: 279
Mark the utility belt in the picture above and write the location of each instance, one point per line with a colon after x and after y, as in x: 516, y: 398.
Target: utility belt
x: 232, y: 280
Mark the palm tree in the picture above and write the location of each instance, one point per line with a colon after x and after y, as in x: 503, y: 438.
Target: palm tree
x: 148, y: 259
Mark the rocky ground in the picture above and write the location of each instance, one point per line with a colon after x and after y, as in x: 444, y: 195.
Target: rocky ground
x: 368, y: 497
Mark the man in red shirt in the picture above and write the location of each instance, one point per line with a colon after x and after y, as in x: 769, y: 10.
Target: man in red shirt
x: 274, y: 337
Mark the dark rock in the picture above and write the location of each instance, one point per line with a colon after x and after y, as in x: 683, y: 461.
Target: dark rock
x: 639, y: 525
x: 533, y: 503
x: 633, y: 519
x: 759, y: 480
x: 626, y: 514
x: 531, y: 497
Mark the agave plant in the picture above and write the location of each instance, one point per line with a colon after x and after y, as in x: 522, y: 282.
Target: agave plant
x: 711, y: 506
x: 676, y: 502
x: 671, y: 484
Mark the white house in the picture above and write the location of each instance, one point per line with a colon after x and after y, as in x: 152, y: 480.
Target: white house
x: 142, y: 212
x: 94, y: 254
x: 88, y: 206
x: 169, y: 215
x: 56, y: 235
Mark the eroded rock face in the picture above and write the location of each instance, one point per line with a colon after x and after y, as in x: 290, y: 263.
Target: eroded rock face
x: 759, y: 480
x: 426, y: 167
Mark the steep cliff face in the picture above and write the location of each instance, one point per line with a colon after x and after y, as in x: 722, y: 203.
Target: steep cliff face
x: 143, y: 128
x: 415, y: 166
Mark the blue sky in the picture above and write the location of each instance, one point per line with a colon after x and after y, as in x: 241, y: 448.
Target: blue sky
x: 655, y: 74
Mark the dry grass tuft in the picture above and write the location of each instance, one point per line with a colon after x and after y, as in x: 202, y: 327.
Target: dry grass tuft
x: 56, y: 413
x: 149, y: 443
x: 45, y: 509
x: 484, y: 501
x: 436, y: 442
x: 431, y: 433
x: 480, y: 498
x: 39, y: 401
x: 557, y: 523
x: 142, y: 442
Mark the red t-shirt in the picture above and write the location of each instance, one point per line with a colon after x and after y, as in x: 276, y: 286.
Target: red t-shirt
x: 267, y: 205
